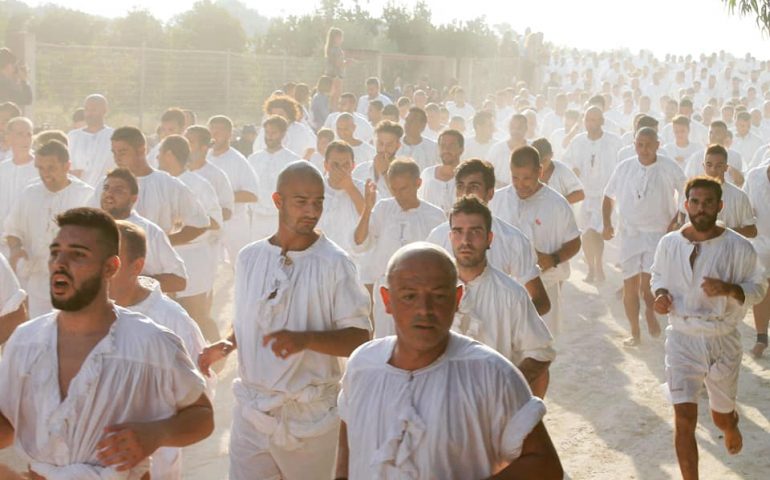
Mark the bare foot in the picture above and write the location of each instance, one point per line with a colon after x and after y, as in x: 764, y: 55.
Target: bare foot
x: 733, y: 440
x: 759, y: 349
x: 632, y: 342
x: 653, y: 327
x: 599, y: 277
x: 589, y: 278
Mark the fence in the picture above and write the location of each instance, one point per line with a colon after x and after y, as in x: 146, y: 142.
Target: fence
x: 141, y: 82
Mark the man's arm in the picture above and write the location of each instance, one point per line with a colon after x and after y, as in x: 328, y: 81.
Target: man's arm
x: 242, y: 196
x: 216, y: 352
x: 370, y: 197
x: 539, y: 296
x: 749, y: 231
x: 568, y: 250
x: 576, y: 196
x: 186, y: 235
x: 532, y: 369
x: 343, y: 453
x: 538, y: 459
x: 338, y: 343
x: 16, y: 251
x: 9, y: 322
x: 170, y: 283
x: 125, y: 445
x: 6, y: 432
x: 607, y: 205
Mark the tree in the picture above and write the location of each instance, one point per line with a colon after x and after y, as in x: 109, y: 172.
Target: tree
x: 758, y: 8
x: 207, y: 26
x: 138, y: 27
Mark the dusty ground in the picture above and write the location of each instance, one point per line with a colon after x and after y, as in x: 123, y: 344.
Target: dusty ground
x: 606, y: 414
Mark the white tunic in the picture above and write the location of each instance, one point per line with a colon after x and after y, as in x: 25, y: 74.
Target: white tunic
x: 497, y: 311
x: 469, y: 404
x: 268, y: 166
x: 298, y: 139
x: 242, y: 177
x: 340, y: 217
x: 361, y: 153
x: 424, y: 153
x: 694, y: 165
x: 546, y: 217
x: 438, y: 192
x: 365, y: 171
x: 161, y: 256
x: 747, y: 146
x: 91, y: 153
x: 363, y: 103
x: 511, y: 251
x: 563, y: 179
x: 390, y: 228
x: 736, y: 212
x: 475, y: 149
x: 646, y: 199
x: 682, y: 154
x: 315, y: 289
x: 217, y: 178
x: 500, y: 157
x: 595, y: 161
x: 199, y: 255
x: 13, y: 180
x: 728, y: 257
x: 11, y: 294
x: 757, y: 187
x: 139, y: 372
x: 364, y: 129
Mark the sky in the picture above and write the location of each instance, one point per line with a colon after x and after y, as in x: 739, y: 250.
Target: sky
x: 662, y: 26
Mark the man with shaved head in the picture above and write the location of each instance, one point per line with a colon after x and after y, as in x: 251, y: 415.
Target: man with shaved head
x: 593, y: 155
x: 346, y: 129
x: 645, y: 188
x: 18, y: 171
x: 90, y: 146
x: 298, y: 306
x: 409, y: 401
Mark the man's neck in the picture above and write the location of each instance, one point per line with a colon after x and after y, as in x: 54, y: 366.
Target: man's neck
x: 412, y: 140
x: 58, y: 187
x: 289, y: 241
x: 514, y: 143
x: 483, y: 139
x: 469, y: 274
x: 272, y: 150
x: 142, y: 170
x: 197, y: 163
x: 693, y: 235
x: 410, y: 361
x: 648, y: 162
x: 121, y: 214
x: 446, y: 173
x: 595, y: 135
x: 96, y: 317
x: 682, y: 143
x: 410, y: 204
x: 21, y: 157
x: 131, y: 294
x: 95, y: 127
x: 220, y: 149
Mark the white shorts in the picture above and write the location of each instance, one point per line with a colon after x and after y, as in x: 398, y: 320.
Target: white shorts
x: 636, y: 264
x: 254, y: 456
x: 695, y: 360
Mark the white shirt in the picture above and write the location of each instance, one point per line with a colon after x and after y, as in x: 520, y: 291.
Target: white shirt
x: 207, y: 198
x: 139, y: 372
x: 646, y: 195
x: 546, y: 217
x: 681, y: 154
x: 340, y: 217
x: 694, y: 165
x: 91, y: 153
x: 475, y: 149
x: 364, y: 129
x: 736, y: 212
x: 497, y: 311
x: 594, y: 160
x: 13, y: 180
x: 11, y: 294
x: 747, y: 146
x: 469, y: 404
x: 424, y: 153
x: 466, y: 111
x: 267, y: 167
x: 437, y: 192
x: 161, y: 256
x: 242, y: 177
x: 299, y: 137
x: 563, y: 179
x: 500, y: 157
x: 511, y: 251
x: 362, y: 153
x: 33, y: 218
x: 363, y: 103
x: 316, y: 289
x: 728, y: 257
x: 390, y: 228
x: 365, y: 171
x: 757, y: 187
x: 217, y: 178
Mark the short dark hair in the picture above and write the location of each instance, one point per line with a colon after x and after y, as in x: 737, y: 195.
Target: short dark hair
x: 716, y: 149
x: 681, y: 120
x: 419, y: 112
x: 47, y: 135
x: 702, y: 181
x: 128, y: 177
x: 326, y: 133
x: 477, y: 165
x: 134, y: 238
x: 10, y: 107
x: 390, y: 109
x: 175, y: 115
x: 372, y: 81
x: 287, y: 104
x: 96, y: 219
x: 339, y: 146
x: 201, y: 133
x: 403, y: 166
x: 718, y: 124
x: 646, y: 121
x: 54, y: 148
x: 543, y: 147
x: 79, y: 115
x: 131, y: 135
x: 525, y: 156
x: 471, y: 205
x: 178, y: 146
x: 377, y: 105
x: 221, y: 120
x: 276, y: 121
x: 481, y: 117
x: 453, y: 133
x: 386, y: 126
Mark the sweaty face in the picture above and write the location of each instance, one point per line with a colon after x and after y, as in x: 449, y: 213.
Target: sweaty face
x: 220, y: 134
x: 117, y: 199
x: 646, y: 147
x: 593, y: 121
x: 703, y: 207
x: 742, y: 127
x: 300, y: 204
x: 387, y: 144
x: 404, y: 188
x: 273, y: 137
x: 717, y: 135
x: 78, y: 265
x: 449, y: 150
x: 53, y: 173
x: 470, y: 239
x: 715, y: 166
x: 473, y: 184
x: 526, y: 181
x: 422, y: 297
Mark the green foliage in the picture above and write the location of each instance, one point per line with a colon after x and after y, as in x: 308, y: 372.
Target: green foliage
x: 207, y: 26
x: 138, y: 27
x: 55, y: 24
x: 752, y: 8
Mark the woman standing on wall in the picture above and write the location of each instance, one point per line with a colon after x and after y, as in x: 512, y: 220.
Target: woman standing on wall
x: 335, y: 63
